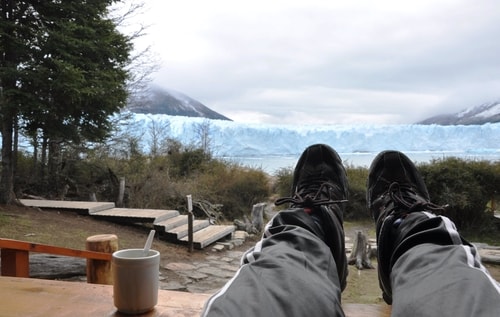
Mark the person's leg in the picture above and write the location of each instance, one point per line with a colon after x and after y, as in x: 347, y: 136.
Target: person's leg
x: 290, y: 272
x: 299, y: 267
x: 425, y: 267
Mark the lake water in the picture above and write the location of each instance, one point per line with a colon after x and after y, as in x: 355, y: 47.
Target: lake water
x: 271, y: 164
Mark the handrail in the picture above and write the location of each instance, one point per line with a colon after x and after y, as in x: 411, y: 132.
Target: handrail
x: 15, y: 256
x: 50, y: 249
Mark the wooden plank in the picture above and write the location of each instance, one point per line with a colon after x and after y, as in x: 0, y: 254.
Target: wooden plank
x: 182, y: 231
x: 209, y: 235
x: 40, y: 298
x: 131, y: 215
x: 80, y: 206
x: 171, y: 223
x: 43, y: 248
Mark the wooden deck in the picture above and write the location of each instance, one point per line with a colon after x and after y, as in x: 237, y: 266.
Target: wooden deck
x: 181, y: 231
x: 135, y: 215
x: 208, y: 235
x: 169, y: 224
x: 87, y: 207
x: 173, y: 222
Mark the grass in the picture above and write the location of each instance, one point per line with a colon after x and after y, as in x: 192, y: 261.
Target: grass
x: 64, y: 229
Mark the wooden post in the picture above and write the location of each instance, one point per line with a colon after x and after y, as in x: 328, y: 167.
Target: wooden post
x: 99, y: 271
x: 190, y: 222
x: 15, y: 263
x: 121, y: 192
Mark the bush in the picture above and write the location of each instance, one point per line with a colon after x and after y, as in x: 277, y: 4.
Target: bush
x: 236, y: 188
x: 465, y: 186
x: 356, y: 207
x: 187, y: 162
x: 283, y: 179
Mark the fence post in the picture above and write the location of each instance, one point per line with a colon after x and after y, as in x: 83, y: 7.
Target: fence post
x: 15, y: 263
x: 99, y: 271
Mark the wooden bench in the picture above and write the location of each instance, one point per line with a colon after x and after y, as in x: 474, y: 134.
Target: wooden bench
x: 15, y: 255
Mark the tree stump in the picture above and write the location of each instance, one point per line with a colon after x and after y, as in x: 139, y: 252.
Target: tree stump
x: 99, y: 271
x: 258, y: 216
x: 256, y: 224
x: 360, y: 255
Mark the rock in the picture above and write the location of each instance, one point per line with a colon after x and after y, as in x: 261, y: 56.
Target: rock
x: 237, y: 242
x: 227, y: 245
x: 240, y: 235
x: 179, y: 266
x: 218, y: 247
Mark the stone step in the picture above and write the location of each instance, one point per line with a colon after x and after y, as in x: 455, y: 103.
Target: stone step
x: 180, y: 232
x: 210, y: 234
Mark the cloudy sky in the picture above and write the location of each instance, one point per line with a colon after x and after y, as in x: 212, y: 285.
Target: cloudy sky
x: 331, y: 61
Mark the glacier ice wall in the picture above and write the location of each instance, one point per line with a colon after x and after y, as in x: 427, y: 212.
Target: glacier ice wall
x: 238, y: 139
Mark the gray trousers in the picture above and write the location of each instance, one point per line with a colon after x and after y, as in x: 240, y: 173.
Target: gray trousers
x: 437, y: 273
x: 291, y: 272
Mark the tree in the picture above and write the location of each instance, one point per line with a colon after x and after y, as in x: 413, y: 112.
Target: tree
x: 203, y: 132
x: 17, y: 27
x: 70, y: 77
x: 158, y: 133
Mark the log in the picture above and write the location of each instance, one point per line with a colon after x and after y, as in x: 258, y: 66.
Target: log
x: 99, y: 271
x: 360, y: 255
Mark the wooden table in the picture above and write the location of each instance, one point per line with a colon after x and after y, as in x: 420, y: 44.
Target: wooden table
x: 37, y: 297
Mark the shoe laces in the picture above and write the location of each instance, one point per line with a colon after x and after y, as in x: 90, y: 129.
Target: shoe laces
x: 405, y: 199
x: 315, y: 192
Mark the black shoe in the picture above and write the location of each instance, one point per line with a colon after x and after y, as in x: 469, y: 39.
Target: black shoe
x: 320, y: 189
x: 395, y: 188
x: 319, y: 179
x: 393, y: 172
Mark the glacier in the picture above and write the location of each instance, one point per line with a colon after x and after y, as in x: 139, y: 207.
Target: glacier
x: 247, y: 142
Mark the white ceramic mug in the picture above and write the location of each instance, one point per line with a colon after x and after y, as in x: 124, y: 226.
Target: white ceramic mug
x: 135, y: 280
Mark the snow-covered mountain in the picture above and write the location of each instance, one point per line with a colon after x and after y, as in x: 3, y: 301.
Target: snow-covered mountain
x: 171, y: 102
x: 487, y: 112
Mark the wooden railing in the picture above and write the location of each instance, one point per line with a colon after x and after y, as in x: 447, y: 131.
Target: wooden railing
x: 15, y: 255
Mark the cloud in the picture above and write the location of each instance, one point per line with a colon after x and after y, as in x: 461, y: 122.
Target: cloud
x: 337, y: 61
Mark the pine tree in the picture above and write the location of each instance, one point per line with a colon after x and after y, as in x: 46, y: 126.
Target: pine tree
x: 67, y: 77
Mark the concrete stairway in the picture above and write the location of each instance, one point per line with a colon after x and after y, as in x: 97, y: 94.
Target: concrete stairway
x: 170, y: 224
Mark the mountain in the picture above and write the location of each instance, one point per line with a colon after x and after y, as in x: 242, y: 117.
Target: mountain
x: 485, y: 113
x: 173, y: 103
